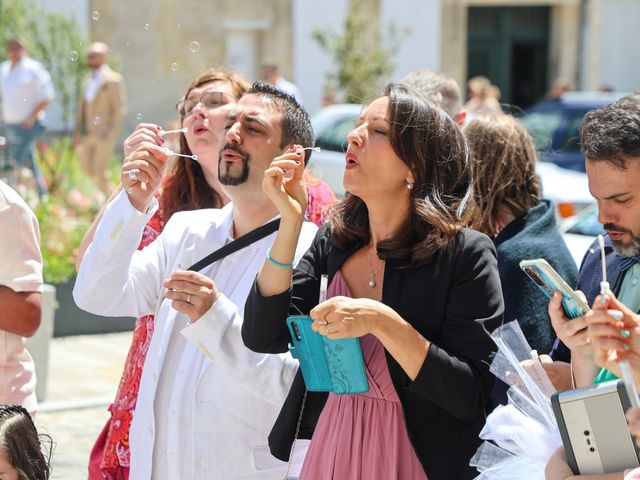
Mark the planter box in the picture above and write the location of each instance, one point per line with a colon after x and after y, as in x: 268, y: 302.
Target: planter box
x: 70, y: 320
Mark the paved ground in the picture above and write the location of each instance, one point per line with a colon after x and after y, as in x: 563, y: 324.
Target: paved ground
x: 83, y: 376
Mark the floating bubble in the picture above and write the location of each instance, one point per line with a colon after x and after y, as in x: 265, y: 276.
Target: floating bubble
x: 175, y: 67
x: 147, y: 26
x: 194, y: 46
x: 178, y: 25
x: 138, y: 116
x: 95, y: 15
x: 127, y: 44
x: 73, y: 56
x: 96, y: 120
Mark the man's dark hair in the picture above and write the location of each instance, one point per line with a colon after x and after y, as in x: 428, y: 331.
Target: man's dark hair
x: 296, y: 125
x: 612, y: 133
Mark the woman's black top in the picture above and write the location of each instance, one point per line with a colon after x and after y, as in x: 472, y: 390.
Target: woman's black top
x: 448, y: 300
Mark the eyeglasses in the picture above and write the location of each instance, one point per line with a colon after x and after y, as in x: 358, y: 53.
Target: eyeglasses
x: 208, y: 100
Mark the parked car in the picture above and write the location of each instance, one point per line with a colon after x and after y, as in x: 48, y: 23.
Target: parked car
x: 580, y: 231
x: 555, y: 125
x: 568, y: 189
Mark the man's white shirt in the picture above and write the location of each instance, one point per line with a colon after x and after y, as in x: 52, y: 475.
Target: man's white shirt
x: 205, y: 400
x: 22, y: 88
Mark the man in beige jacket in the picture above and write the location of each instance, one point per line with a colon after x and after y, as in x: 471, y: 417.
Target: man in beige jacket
x: 101, y: 110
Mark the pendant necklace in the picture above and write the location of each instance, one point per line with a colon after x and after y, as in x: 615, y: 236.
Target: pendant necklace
x: 372, y: 282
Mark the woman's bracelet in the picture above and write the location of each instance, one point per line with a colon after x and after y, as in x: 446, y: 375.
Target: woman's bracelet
x: 275, y: 262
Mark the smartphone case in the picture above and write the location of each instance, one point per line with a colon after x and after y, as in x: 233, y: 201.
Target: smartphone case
x: 327, y: 365
x: 594, y: 429
x: 549, y: 281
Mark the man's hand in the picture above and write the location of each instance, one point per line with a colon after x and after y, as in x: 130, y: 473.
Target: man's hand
x: 192, y: 293
x: 572, y: 331
x: 29, y: 122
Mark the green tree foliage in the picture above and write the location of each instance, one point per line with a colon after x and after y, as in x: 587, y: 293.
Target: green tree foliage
x: 52, y: 39
x: 362, y: 59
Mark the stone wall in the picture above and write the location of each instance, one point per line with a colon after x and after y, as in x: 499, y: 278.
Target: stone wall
x: 153, y: 45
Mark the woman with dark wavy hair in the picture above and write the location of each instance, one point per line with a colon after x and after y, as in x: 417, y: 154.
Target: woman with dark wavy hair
x: 406, y: 278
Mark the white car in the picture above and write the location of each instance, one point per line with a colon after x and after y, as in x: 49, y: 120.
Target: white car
x: 568, y: 189
x: 580, y: 231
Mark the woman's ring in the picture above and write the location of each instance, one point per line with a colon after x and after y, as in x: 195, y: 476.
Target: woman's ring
x: 189, y: 299
x: 133, y: 174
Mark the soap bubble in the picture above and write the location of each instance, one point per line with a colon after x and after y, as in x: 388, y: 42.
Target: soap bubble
x: 138, y: 116
x: 128, y: 43
x: 95, y: 15
x: 96, y: 120
x: 194, y: 46
x: 175, y: 67
x: 147, y: 26
x: 73, y: 56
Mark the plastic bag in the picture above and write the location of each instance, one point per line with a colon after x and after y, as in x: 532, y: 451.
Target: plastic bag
x: 521, y: 436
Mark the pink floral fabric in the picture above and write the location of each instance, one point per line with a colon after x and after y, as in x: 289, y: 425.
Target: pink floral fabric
x: 321, y: 197
x: 110, y: 457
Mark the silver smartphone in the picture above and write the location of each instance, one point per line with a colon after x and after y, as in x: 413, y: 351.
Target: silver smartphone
x: 594, y: 429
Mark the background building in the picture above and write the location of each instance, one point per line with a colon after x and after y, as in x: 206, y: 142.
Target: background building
x: 523, y: 46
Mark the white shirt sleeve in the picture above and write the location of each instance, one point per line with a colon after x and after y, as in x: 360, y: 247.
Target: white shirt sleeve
x: 20, y: 258
x: 44, y: 85
x: 116, y: 279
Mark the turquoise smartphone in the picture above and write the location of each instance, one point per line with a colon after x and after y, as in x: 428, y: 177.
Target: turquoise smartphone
x: 327, y: 365
x: 549, y: 281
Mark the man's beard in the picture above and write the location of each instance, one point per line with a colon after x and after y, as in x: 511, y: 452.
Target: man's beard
x: 228, y: 178
x: 626, y: 249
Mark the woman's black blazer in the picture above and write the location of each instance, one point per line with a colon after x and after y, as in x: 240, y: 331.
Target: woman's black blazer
x: 447, y: 300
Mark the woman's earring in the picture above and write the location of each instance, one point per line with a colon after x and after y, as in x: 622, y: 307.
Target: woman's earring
x: 409, y: 186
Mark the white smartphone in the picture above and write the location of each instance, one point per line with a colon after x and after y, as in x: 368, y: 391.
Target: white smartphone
x: 549, y: 281
x: 594, y: 429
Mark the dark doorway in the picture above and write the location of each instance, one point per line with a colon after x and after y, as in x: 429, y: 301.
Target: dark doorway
x: 509, y: 45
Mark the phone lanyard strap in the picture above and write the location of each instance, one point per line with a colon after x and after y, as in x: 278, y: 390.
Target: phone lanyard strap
x: 295, y: 438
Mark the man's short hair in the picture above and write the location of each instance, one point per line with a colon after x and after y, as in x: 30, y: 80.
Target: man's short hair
x: 436, y: 87
x: 296, y: 125
x: 612, y: 133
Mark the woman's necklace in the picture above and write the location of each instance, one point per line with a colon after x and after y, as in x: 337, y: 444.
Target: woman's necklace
x: 372, y: 282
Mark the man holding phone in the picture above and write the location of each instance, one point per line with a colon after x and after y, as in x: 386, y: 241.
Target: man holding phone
x: 610, y: 141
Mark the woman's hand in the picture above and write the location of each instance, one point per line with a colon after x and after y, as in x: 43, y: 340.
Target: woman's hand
x: 289, y: 194
x: 344, y: 317
x: 143, y: 133
x: 192, y: 293
x: 142, y: 174
x: 614, y: 331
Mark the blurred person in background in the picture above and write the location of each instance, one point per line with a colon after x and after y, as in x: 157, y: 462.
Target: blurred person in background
x: 27, y: 91
x: 440, y: 89
x: 271, y: 74
x: 101, y: 111
x: 20, y: 297
x: 483, y: 97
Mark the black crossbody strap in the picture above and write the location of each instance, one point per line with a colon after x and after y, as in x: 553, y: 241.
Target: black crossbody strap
x: 239, y: 243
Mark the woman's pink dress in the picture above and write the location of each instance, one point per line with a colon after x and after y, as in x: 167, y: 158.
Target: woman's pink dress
x: 364, y: 435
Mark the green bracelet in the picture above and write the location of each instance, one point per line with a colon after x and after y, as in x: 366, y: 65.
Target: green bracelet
x: 275, y: 262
